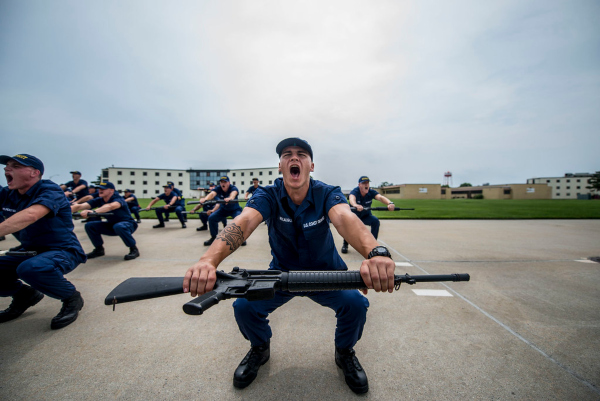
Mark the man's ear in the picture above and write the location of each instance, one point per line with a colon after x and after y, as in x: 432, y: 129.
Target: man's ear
x: 312, y: 167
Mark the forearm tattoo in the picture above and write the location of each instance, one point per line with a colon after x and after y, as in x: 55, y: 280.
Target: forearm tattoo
x: 232, y: 235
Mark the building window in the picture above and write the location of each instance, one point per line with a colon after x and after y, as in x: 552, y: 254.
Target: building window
x: 157, y: 174
x: 168, y: 174
x: 145, y: 191
x: 242, y: 174
x: 119, y: 182
x: 270, y: 173
x: 105, y: 174
x: 242, y: 182
x: 557, y: 187
x: 547, y: 181
x: 422, y: 190
x: 208, y: 173
x: 157, y: 191
x: 260, y: 173
x: 242, y: 191
x: 132, y: 182
x: 156, y: 182
x: 119, y: 173
x: 251, y: 173
x: 568, y: 187
x: 132, y: 173
x: 181, y: 174
x: 233, y: 174
x: 180, y: 183
x: 578, y: 180
x: 234, y: 183
x: 260, y: 182
x: 557, y: 194
x: 145, y: 173
x: 443, y: 191
x: 568, y: 180
x: 270, y: 182
x: 568, y: 194
x: 507, y: 191
x: 145, y: 183
x: 578, y: 187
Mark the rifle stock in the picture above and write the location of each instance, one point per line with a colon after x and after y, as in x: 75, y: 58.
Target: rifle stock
x: 255, y: 285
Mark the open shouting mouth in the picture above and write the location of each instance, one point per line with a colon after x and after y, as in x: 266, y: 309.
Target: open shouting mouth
x: 9, y: 178
x: 295, y: 171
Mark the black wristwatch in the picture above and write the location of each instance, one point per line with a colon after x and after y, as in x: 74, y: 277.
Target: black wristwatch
x: 379, y: 251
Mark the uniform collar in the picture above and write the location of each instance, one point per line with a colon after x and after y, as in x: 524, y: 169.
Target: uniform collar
x: 308, y: 200
x: 31, y: 190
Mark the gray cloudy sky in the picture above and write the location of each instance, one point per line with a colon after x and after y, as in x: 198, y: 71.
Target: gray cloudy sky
x: 402, y: 91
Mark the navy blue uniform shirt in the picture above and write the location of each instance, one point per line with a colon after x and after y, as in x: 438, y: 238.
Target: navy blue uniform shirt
x: 364, y: 201
x: 222, y: 195
x: 167, y: 199
x: 118, y: 215
x: 252, y: 189
x: 134, y: 202
x: 84, y: 192
x: 52, y: 232
x: 300, y: 236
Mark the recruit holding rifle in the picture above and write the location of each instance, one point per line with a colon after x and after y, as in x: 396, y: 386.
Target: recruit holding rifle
x: 299, y: 210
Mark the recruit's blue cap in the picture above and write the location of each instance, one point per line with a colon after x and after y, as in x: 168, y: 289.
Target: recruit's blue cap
x: 75, y: 172
x: 364, y: 178
x: 106, y: 185
x: 294, y: 142
x: 212, y: 183
x: 224, y: 178
x: 26, y: 160
x: 127, y: 190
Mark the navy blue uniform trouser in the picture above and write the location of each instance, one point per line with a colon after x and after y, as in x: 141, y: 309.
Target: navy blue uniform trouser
x: 123, y: 229
x: 204, y: 219
x: 350, y: 308
x: 178, y: 211
x: 44, y: 272
x: 216, y: 217
x: 136, y: 211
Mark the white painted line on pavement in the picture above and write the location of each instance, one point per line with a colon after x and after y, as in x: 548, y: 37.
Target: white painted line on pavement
x: 514, y: 333
x: 433, y: 293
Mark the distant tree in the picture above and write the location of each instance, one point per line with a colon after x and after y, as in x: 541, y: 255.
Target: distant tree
x: 466, y: 184
x: 445, y: 186
x: 386, y: 184
x: 594, y: 182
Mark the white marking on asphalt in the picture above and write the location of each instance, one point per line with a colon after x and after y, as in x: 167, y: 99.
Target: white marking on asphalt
x: 432, y: 293
x: 520, y: 337
x: 403, y: 264
x: 585, y: 261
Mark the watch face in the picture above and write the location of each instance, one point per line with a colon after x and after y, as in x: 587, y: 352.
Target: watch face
x: 381, y: 249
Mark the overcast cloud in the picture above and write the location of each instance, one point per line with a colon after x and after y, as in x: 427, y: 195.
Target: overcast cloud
x: 401, y: 91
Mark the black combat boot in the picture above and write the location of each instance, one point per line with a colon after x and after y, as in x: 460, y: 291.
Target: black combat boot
x: 69, y: 311
x: 345, y: 247
x: 159, y: 225
x: 356, y: 378
x: 248, y: 369
x: 23, y: 299
x: 209, y: 242
x: 96, y: 253
x: 183, y: 225
x: 203, y: 228
x: 133, y: 253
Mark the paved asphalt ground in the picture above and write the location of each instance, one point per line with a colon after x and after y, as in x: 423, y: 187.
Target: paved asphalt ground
x: 526, y: 327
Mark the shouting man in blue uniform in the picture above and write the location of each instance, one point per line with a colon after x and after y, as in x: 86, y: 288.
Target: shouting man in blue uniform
x: 133, y: 204
x: 253, y: 188
x: 227, y: 192
x: 298, y: 211
x: 38, y: 214
x: 118, y: 223
x: 362, y: 196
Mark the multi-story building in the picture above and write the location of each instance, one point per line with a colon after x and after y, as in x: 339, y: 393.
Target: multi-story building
x: 148, y: 182
x: 571, y: 186
x: 242, y: 178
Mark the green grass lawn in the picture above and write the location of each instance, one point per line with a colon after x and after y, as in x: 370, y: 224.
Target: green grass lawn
x: 471, y: 209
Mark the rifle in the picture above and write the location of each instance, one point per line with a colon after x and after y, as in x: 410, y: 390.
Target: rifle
x: 18, y: 253
x: 382, y: 208
x: 190, y: 212
x: 77, y: 215
x: 156, y: 207
x: 255, y: 285
x: 212, y: 202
